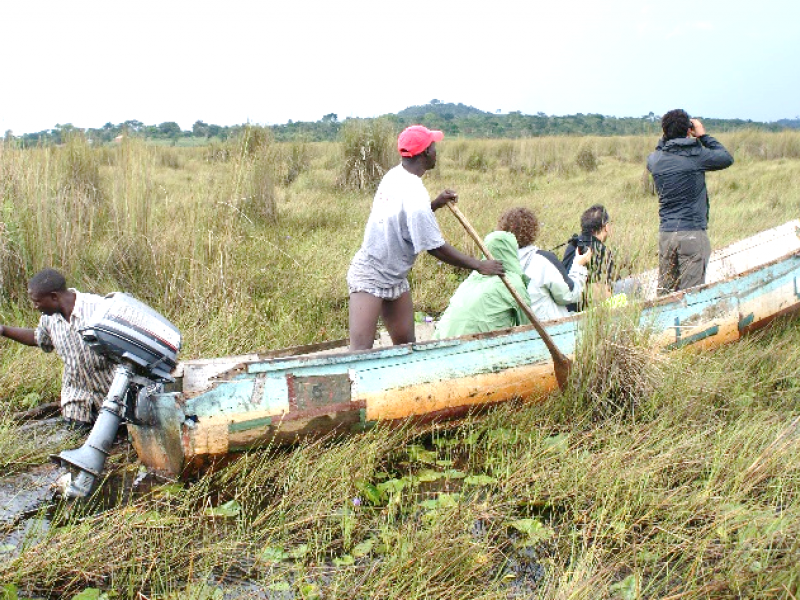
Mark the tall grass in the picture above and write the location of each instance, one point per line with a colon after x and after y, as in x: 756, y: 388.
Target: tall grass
x: 697, y: 497
x: 675, y: 477
x: 648, y: 479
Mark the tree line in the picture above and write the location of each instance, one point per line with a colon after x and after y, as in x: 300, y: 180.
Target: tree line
x: 456, y: 120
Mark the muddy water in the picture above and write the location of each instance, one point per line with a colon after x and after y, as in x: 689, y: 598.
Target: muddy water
x: 28, y: 500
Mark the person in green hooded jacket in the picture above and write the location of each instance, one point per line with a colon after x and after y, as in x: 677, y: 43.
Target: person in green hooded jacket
x: 482, y: 302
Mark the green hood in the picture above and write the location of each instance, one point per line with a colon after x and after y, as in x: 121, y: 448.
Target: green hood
x: 503, y: 247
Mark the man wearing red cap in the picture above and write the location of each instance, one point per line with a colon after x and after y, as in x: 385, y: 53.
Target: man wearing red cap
x: 401, y: 226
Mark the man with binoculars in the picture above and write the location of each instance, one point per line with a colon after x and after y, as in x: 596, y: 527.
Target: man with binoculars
x: 679, y: 166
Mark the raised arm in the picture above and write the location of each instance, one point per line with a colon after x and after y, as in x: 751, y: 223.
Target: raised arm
x: 716, y: 156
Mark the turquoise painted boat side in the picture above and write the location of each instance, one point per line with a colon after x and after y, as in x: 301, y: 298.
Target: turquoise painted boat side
x: 241, y: 395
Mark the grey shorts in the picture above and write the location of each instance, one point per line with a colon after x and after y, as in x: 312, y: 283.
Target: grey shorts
x: 359, y: 281
x: 392, y: 293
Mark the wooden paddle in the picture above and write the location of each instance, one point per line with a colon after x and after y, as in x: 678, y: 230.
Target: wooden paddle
x: 561, y: 364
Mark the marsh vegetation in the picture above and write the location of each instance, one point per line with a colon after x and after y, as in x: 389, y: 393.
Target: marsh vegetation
x: 688, y: 488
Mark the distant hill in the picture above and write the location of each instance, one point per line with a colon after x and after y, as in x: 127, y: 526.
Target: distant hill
x: 446, y: 110
x: 456, y: 120
x: 793, y: 123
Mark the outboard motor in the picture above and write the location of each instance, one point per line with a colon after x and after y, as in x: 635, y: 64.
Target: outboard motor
x: 145, y: 345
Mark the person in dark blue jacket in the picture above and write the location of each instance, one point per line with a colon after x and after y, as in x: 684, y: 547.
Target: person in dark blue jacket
x: 678, y: 166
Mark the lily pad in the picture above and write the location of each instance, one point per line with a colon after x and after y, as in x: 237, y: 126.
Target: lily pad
x: 273, y: 554
x: 479, y: 480
x: 228, y: 510
x: 534, y: 529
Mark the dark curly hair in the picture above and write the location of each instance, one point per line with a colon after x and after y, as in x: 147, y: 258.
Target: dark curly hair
x: 675, y: 124
x: 522, y: 223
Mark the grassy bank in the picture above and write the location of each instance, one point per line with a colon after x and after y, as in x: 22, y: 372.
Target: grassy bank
x: 689, y: 492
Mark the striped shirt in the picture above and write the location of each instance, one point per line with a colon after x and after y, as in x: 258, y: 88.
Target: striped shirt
x: 87, y: 375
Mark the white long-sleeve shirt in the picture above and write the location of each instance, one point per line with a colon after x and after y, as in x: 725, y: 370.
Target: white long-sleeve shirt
x: 549, y: 289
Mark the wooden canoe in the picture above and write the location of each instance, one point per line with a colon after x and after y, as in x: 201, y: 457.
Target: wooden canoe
x: 223, y: 405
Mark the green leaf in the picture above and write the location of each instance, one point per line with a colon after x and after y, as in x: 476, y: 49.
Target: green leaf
x: 370, y: 492
x: 454, y: 474
x: 272, y: 554
x: 363, y: 548
x: 344, y: 560
x: 309, y: 591
x: 88, y: 594
x: 627, y: 587
x: 230, y: 509
x: 9, y: 592
x: 448, y: 500
x: 298, y: 552
x: 169, y: 490
x: 557, y: 442
x: 534, y: 529
x: 502, y: 435
x: 420, y: 454
x: 479, y: 480
x: 7, y: 548
x: 392, y: 486
x: 280, y: 586
x: 429, y: 475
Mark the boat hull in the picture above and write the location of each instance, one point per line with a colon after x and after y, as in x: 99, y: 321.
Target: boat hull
x: 232, y: 404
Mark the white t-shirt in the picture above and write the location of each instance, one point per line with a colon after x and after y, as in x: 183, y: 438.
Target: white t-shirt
x: 400, y: 226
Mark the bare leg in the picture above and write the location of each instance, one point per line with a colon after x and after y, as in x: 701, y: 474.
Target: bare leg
x: 364, y: 311
x: 398, y: 316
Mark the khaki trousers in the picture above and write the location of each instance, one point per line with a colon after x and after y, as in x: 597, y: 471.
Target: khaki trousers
x: 682, y: 260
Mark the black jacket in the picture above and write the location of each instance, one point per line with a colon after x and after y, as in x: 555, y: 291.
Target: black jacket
x: 678, y: 167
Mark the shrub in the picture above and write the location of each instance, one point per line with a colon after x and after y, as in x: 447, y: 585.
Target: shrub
x: 477, y: 161
x: 586, y: 159
x: 297, y: 160
x: 369, y: 150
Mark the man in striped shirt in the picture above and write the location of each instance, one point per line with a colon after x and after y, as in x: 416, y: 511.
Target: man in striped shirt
x: 87, y: 375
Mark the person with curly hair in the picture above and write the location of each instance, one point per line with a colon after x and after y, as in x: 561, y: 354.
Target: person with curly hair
x: 678, y: 167
x: 483, y: 302
x: 551, y: 287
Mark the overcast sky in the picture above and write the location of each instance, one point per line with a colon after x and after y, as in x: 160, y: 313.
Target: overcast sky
x: 91, y: 62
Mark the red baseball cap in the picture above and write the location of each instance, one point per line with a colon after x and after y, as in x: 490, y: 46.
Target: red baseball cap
x: 413, y: 140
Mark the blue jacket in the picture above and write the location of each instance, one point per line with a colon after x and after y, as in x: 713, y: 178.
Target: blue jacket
x: 678, y: 167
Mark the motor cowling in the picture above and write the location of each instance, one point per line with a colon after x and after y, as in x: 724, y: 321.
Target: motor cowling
x: 145, y: 345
